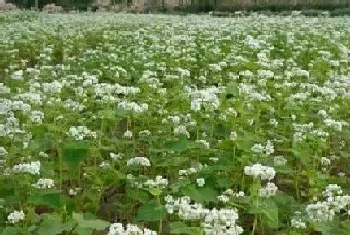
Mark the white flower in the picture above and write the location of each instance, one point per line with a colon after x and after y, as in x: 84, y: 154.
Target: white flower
x: 116, y: 156
x: 17, y: 75
x: 15, y: 217
x: 233, y: 135
x: 279, y: 161
x: 269, y: 190
x: 43, y: 154
x: 127, y: 134
x: 142, y: 161
x: 258, y: 148
x: 200, y: 182
x: 223, y: 198
x: 297, y: 223
x: 73, y: 192
x: 181, y: 130
x: 204, y: 143
x: 44, y: 184
x: 3, y: 152
x: 325, y: 161
x: 273, y: 122
x: 129, y: 229
x: 31, y: 168
x: 258, y: 170
x: 4, y: 89
x: 36, y: 116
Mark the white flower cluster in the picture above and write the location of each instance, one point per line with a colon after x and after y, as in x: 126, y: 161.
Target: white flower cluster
x: 132, y: 106
x: 116, y: 156
x: 225, y: 196
x: 4, y: 89
x: 334, y: 203
x: 130, y: 229
x: 192, y: 170
x: 32, y: 168
x: 54, y: 87
x: 158, y: 182
x: 268, y: 149
x: 15, y: 217
x: 279, y: 161
x: 181, y: 130
x: 200, y: 182
x: 337, y: 125
x: 269, y: 190
x: 215, y: 221
x: 204, y: 143
x: 207, y: 98
x: 3, y: 152
x: 73, y: 105
x: 127, y: 134
x: 258, y: 170
x: 81, y: 132
x: 44, y: 184
x: 297, y: 222
x: 332, y: 190
x: 36, y: 116
x: 141, y: 161
x: 17, y: 75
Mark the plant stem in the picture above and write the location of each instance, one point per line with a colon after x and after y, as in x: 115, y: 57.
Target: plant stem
x: 254, y: 225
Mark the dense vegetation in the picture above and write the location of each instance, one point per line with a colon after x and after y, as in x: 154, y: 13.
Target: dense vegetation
x: 157, y: 124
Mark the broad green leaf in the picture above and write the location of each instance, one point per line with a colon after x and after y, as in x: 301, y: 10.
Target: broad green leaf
x: 176, y: 145
x: 74, y: 153
x: 269, y: 211
x: 51, y: 198
x: 54, y: 226
x: 12, y: 231
x: 223, y: 182
x: 42, y: 143
x: 182, y: 228
x: 84, y: 231
x: 201, y: 195
x: 330, y: 228
x: 87, y: 223
x: 151, y: 212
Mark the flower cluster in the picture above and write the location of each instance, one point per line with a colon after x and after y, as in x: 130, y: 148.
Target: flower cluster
x: 129, y: 229
x: 260, y: 171
x: 215, y: 221
x: 80, y: 132
x: 32, y: 168
x: 15, y: 217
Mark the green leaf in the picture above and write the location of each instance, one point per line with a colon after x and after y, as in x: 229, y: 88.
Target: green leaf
x: 154, y: 191
x: 54, y: 128
x: 176, y: 145
x: 223, y: 182
x: 12, y: 231
x: 181, y: 228
x: 74, y: 153
x: 42, y: 143
x: 52, y: 225
x: 151, y: 212
x: 330, y: 228
x: 84, y: 231
x: 200, y: 194
x: 51, y: 198
x: 87, y: 223
x: 269, y: 211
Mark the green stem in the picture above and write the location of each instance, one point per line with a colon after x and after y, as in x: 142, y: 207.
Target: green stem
x: 254, y: 225
x: 160, y: 229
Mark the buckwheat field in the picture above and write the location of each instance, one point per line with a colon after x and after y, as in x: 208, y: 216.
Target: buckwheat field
x: 125, y: 124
